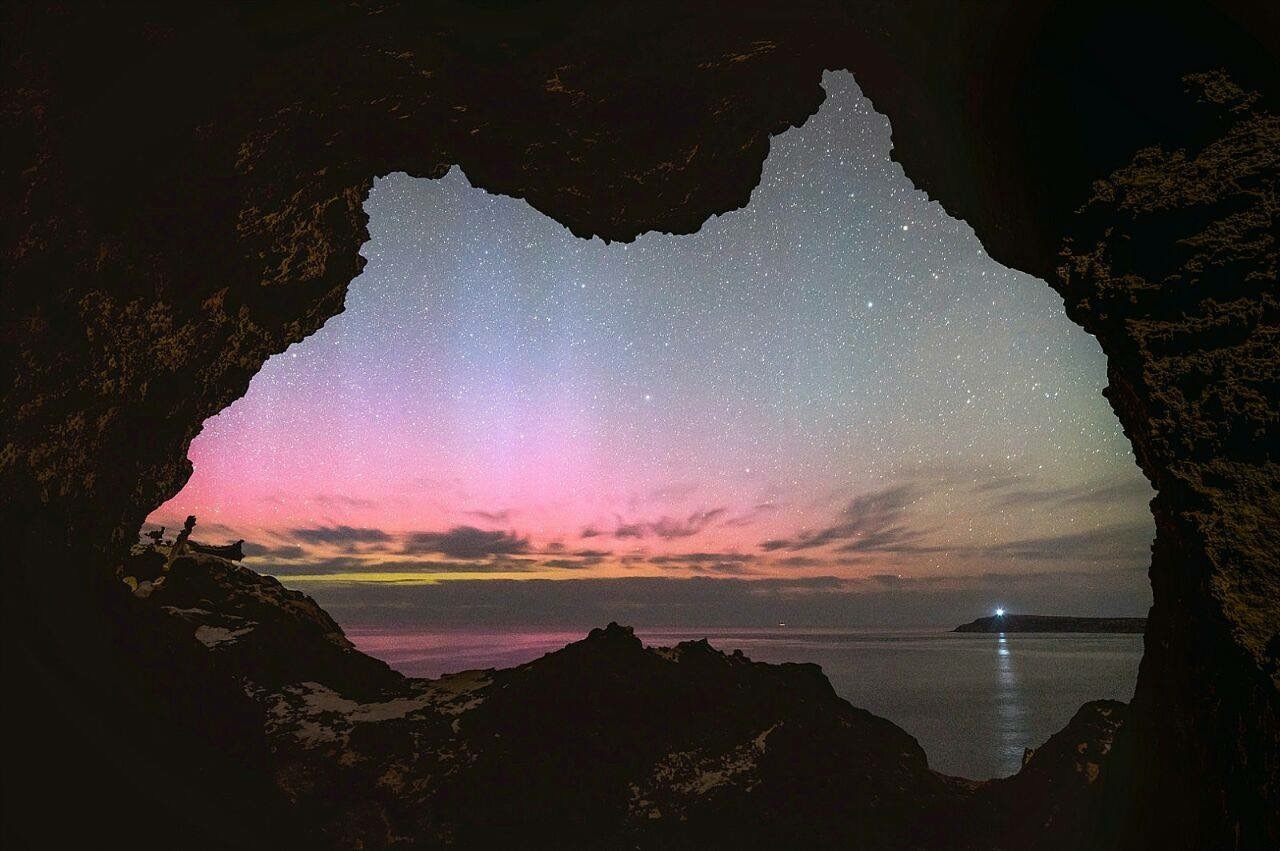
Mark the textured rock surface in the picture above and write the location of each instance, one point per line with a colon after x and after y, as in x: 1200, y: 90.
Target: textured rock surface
x: 604, y: 744
x: 183, y: 187
x: 1175, y: 270
x: 1053, y: 802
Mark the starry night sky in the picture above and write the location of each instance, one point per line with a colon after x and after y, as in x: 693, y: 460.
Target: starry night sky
x: 833, y: 389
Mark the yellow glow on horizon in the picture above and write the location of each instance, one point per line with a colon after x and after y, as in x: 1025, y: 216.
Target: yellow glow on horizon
x: 385, y: 577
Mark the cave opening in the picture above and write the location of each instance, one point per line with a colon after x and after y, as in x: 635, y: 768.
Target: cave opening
x: 828, y: 411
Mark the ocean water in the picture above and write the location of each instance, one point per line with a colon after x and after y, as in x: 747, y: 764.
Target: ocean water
x: 973, y: 701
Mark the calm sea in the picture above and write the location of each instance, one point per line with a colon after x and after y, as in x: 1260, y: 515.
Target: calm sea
x: 973, y: 701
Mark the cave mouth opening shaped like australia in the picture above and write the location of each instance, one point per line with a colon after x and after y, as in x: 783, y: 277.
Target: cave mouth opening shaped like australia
x: 829, y: 409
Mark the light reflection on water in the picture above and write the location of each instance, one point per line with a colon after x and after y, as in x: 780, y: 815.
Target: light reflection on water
x: 1011, y: 719
x: 973, y: 701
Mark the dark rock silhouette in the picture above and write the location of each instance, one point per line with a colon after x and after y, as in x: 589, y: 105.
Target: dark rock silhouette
x: 179, y: 547
x: 606, y: 743
x: 183, y: 187
x: 144, y: 564
x: 1054, y: 801
x: 1174, y: 267
x: 1052, y: 623
x: 232, y: 552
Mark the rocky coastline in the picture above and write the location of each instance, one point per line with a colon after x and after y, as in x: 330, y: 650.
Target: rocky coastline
x: 605, y: 743
x: 1053, y: 623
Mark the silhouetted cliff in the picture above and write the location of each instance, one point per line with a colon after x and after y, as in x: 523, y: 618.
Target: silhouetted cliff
x: 606, y: 743
x: 1052, y: 623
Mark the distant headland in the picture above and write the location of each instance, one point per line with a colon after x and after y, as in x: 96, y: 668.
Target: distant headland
x: 1052, y: 623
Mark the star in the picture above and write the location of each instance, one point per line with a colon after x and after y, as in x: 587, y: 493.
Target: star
x: 488, y: 365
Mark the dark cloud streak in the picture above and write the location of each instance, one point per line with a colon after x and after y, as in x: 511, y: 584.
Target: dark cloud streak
x: 465, y: 542
x: 870, y: 522
x: 339, y: 535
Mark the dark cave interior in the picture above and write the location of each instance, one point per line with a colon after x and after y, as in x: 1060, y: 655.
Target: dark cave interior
x: 186, y: 186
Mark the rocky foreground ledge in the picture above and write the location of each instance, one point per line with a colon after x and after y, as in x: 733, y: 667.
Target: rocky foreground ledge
x: 603, y: 744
